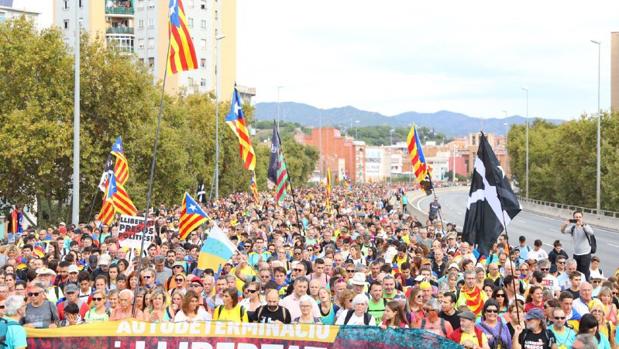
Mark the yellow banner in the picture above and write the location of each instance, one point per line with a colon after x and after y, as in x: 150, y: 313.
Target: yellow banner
x: 131, y: 328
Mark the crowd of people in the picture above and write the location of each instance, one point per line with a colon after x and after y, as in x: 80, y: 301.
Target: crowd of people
x: 362, y: 259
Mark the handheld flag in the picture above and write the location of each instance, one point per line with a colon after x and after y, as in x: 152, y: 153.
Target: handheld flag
x: 120, y: 198
x: 106, y: 215
x: 182, y: 55
x: 201, y: 194
x: 328, y: 201
x: 273, y: 161
x: 216, y: 250
x: 418, y: 161
x: 192, y: 216
x: 491, y: 204
x: 254, y: 187
x: 108, y: 168
x: 121, y: 168
x: 281, y: 185
x: 237, y: 123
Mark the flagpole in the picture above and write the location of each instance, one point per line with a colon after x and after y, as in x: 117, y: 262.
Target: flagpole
x: 294, y: 200
x: 151, y: 173
x: 511, y: 263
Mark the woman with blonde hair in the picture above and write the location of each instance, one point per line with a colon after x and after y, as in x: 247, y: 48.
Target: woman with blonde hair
x: 174, y: 307
x: 191, y: 310
x: 606, y: 296
x: 605, y: 327
x: 156, y: 311
x: 99, y: 312
x: 415, y: 307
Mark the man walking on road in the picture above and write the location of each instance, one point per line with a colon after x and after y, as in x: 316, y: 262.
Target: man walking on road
x: 582, y: 247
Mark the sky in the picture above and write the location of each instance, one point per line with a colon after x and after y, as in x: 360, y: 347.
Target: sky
x: 472, y: 57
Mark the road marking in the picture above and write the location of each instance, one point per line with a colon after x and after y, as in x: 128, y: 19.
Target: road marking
x: 549, y: 245
x: 613, y: 244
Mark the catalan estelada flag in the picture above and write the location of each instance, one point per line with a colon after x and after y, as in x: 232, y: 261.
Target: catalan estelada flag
x: 121, y: 167
x: 328, y: 201
x: 237, y: 123
x: 192, y: 216
x: 418, y: 161
x: 106, y: 215
x: 182, y: 55
x: 216, y: 250
x: 254, y: 187
x: 120, y: 199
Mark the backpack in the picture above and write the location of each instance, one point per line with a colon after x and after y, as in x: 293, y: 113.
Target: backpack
x: 262, y: 308
x: 590, y: 237
x: 366, y: 317
x: 4, y: 328
x: 443, y: 328
x: 457, y: 335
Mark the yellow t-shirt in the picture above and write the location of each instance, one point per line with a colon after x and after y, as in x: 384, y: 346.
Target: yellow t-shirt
x: 468, y: 337
x: 236, y: 314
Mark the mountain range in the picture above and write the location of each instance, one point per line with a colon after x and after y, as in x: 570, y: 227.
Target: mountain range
x: 449, y: 123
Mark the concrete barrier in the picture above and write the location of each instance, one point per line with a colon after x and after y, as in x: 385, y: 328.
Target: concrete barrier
x: 564, y: 213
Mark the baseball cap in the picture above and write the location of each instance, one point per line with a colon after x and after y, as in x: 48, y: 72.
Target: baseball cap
x: 358, y: 279
x: 105, y: 259
x: 454, y: 265
x: 535, y: 314
x: 71, y: 288
x: 45, y: 271
x: 197, y: 279
x: 467, y: 314
x: 73, y: 269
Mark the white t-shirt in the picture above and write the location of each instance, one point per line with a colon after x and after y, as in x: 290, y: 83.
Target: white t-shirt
x: 203, y: 315
x: 354, y: 320
x: 538, y: 255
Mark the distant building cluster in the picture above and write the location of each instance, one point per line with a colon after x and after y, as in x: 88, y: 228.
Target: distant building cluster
x: 353, y: 159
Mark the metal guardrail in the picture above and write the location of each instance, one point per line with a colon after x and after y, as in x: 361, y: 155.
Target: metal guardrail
x: 119, y: 30
x: 120, y: 10
x: 587, y: 210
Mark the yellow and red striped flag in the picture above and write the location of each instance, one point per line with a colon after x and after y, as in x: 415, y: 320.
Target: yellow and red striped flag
x: 192, y: 216
x: 106, y: 215
x: 120, y: 199
x: 121, y: 167
x: 418, y: 161
x: 254, y: 188
x: 182, y: 55
x: 237, y: 123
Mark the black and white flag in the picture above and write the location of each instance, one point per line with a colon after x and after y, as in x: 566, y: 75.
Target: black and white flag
x: 108, y: 170
x: 201, y: 193
x: 491, y: 204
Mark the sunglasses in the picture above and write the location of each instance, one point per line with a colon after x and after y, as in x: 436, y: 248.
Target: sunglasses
x: 97, y: 299
x: 350, y: 270
x: 491, y: 311
x: 146, y: 276
x: 252, y: 291
x: 559, y: 317
x: 33, y: 294
x: 179, y: 280
x: 500, y: 295
x: 1, y: 306
x: 544, y: 269
x: 297, y: 269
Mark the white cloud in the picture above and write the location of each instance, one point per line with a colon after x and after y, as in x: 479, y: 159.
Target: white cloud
x: 394, y: 56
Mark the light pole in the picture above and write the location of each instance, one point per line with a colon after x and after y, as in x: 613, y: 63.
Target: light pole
x: 598, y: 176
x: 391, y: 131
x: 357, y: 129
x: 218, y: 37
x: 75, y: 206
x: 526, y: 166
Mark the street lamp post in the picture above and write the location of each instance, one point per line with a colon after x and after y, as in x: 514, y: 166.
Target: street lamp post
x: 75, y: 205
x: 278, y: 115
x: 598, y: 172
x: 357, y: 129
x: 526, y: 166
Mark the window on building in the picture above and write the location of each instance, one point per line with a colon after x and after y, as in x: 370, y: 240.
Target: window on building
x: 216, y: 14
x: 190, y: 81
x: 2, y: 16
x: 80, y: 3
x: 141, y: 24
x: 140, y: 44
x: 203, y: 44
x: 190, y: 22
x: 203, y: 24
x: 202, y: 62
x: 66, y: 5
x: 151, y: 23
x: 151, y: 42
x: 203, y: 4
x: 151, y: 62
x: 203, y: 82
x: 66, y: 24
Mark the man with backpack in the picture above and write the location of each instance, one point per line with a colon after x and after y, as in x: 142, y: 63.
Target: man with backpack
x: 584, y: 241
x: 12, y: 334
x: 468, y: 334
x: 271, y: 312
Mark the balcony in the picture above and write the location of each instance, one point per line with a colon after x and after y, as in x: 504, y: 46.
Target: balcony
x: 119, y: 30
x: 119, y: 8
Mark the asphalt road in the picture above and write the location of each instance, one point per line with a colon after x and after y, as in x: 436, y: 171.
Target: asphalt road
x: 531, y: 225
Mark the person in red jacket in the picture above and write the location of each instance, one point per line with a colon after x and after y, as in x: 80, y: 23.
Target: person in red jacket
x: 468, y: 334
x: 71, y: 296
